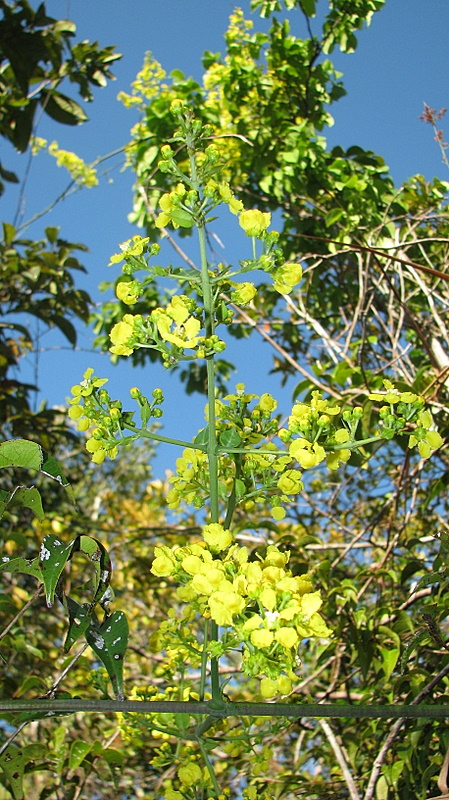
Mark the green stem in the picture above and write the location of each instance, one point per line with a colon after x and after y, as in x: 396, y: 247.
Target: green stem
x: 209, y: 767
x: 204, y: 660
x: 145, y: 434
x: 209, y: 312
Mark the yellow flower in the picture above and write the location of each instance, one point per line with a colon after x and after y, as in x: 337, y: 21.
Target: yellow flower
x: 268, y: 598
x: 184, y: 335
x: 163, y: 563
x: 190, y: 774
x: 254, y: 222
x: 278, y: 513
x: 290, y: 482
x: 217, y: 537
x: 267, y: 403
x: 310, y: 603
x: 333, y: 459
x: 243, y: 293
x: 286, y: 277
x: 224, y: 605
x: 284, y: 684
x: 120, y: 334
x: 262, y: 638
x: 128, y: 292
x: 287, y: 637
x: 307, y: 454
x: 268, y: 688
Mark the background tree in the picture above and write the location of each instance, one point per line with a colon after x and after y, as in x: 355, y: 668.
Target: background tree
x: 38, y: 54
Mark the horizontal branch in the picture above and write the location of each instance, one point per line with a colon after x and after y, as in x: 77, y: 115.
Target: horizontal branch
x: 48, y: 708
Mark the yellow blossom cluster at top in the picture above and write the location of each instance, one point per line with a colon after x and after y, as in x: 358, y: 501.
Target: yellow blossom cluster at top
x: 268, y: 609
x: 147, y: 84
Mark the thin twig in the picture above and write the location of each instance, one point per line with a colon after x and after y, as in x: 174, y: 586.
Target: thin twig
x: 349, y: 780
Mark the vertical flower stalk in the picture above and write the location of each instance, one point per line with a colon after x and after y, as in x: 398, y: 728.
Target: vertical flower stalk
x: 210, y: 366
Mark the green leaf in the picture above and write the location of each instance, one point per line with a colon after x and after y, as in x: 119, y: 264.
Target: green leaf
x: 230, y: 439
x: 182, y: 218
x: 333, y: 216
x: 62, y: 108
x: 412, y: 645
x: 9, y: 233
x: 21, y: 565
x: 79, y: 620
x: 308, y: 6
x: 52, y: 234
x: 389, y: 660
x: 53, y: 557
x: 109, y: 641
x: 12, y: 762
x: 24, y: 496
x: 78, y: 752
x: 99, y: 556
x: 30, y: 455
x: 202, y: 436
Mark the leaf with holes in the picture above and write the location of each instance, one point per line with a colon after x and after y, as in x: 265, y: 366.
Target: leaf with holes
x: 53, y: 557
x: 13, y: 761
x: 109, y: 641
x: 21, y: 565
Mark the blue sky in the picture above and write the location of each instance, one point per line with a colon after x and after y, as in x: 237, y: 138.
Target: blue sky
x: 401, y: 62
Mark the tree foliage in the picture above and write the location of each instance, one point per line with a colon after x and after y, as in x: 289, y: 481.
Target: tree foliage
x: 371, y: 534
x: 38, y: 54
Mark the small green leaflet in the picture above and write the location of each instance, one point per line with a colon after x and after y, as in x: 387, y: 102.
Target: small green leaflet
x: 109, y: 641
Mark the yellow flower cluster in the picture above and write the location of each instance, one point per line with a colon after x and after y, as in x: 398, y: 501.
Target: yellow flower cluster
x: 268, y: 609
x: 190, y: 482
x: 86, y: 411
x: 92, y: 407
x: 318, y: 435
x: 82, y: 173
x: 406, y: 407
x: 147, y: 84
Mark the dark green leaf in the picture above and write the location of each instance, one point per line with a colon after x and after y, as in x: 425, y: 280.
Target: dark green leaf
x: 62, y: 108
x: 80, y: 619
x: 12, y: 762
x: 27, y: 497
x: 109, y: 641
